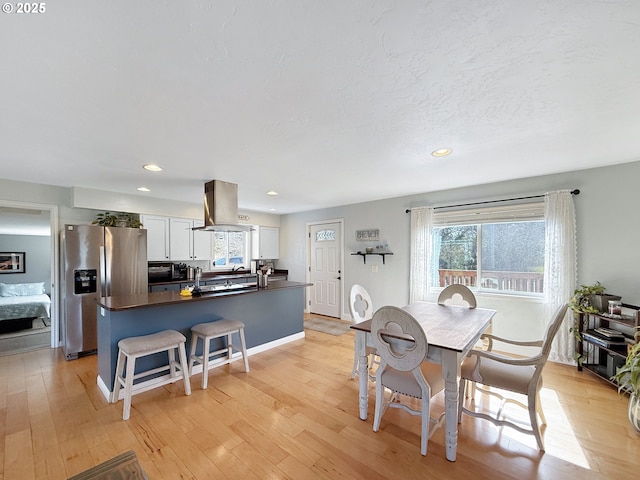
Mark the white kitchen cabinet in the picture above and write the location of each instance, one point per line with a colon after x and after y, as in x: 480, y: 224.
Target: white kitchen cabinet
x: 157, y: 237
x: 180, y: 239
x: 202, y: 243
x: 173, y: 239
x: 265, y: 243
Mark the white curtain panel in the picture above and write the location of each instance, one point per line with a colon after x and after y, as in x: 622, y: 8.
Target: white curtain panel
x: 560, y: 269
x: 421, y: 222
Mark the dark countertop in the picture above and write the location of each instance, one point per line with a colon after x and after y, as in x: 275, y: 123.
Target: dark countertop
x: 167, y: 298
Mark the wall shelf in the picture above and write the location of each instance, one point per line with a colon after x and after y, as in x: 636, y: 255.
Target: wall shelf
x: 364, y: 255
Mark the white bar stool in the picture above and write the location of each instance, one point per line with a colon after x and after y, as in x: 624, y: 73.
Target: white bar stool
x: 132, y: 348
x: 209, y: 331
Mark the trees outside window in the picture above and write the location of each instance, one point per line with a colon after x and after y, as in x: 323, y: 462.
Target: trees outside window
x: 502, y: 256
x: 230, y: 249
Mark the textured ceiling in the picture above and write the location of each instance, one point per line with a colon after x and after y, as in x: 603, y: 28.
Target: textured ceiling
x: 326, y: 102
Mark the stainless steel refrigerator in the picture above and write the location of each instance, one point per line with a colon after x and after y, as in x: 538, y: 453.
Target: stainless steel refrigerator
x: 98, y: 262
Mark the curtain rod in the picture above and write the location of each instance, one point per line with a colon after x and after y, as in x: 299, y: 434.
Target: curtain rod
x: 573, y: 192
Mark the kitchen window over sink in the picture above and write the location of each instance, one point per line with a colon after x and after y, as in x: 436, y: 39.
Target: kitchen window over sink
x: 230, y: 250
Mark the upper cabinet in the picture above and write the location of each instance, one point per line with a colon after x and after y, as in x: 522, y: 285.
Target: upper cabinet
x: 180, y: 239
x: 174, y: 239
x: 201, y: 242
x: 157, y: 237
x: 265, y: 243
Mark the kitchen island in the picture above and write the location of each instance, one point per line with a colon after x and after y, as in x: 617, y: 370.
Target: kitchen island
x: 272, y: 316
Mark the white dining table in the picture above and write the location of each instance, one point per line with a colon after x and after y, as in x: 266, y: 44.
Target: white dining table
x: 451, y: 332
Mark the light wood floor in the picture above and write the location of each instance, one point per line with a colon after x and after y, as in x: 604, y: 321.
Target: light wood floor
x: 295, y: 415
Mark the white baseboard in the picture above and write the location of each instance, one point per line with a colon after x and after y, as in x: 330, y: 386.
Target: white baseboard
x: 164, y: 379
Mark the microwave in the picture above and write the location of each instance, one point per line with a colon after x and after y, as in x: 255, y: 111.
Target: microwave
x: 160, y: 271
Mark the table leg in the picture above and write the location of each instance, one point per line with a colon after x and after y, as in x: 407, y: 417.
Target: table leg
x: 363, y: 373
x: 451, y: 373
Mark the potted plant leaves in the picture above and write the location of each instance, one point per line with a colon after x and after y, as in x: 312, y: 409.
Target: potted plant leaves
x: 122, y: 219
x: 628, y: 379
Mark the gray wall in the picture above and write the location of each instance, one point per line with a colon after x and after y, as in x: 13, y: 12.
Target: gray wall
x: 607, y: 230
x: 37, y: 259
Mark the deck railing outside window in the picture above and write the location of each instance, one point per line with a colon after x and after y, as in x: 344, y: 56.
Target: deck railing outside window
x: 528, y: 282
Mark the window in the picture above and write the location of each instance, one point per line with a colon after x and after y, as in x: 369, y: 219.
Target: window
x: 490, y: 249
x: 230, y: 249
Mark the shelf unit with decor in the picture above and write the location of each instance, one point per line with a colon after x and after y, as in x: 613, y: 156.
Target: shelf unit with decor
x: 601, y: 354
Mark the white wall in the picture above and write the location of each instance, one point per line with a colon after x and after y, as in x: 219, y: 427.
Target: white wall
x: 607, y: 220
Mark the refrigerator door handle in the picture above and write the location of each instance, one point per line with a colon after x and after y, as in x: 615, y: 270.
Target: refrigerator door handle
x: 105, y: 287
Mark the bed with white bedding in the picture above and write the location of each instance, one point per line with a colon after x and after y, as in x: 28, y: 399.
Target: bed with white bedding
x: 24, y: 300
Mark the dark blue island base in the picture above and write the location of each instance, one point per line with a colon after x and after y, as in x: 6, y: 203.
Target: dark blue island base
x: 272, y: 317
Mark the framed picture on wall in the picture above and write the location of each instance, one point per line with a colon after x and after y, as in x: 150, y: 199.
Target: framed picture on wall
x: 12, y: 262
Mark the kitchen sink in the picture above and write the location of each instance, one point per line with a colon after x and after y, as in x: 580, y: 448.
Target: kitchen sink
x: 227, y: 287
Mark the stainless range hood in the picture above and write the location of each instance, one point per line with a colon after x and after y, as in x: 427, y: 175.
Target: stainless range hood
x: 221, y: 208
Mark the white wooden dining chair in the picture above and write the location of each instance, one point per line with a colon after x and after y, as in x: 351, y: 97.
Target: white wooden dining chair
x: 521, y: 375
x: 457, y: 294
x: 402, y: 346
x: 361, y: 309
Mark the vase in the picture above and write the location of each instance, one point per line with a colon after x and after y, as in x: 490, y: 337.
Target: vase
x: 634, y: 412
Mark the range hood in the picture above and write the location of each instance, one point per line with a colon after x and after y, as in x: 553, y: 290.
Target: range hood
x: 221, y: 208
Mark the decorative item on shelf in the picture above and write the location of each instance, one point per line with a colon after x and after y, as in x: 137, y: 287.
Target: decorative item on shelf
x: 370, y: 235
x: 628, y: 379
x: 118, y: 219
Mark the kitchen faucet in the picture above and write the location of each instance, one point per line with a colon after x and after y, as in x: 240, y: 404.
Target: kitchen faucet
x: 234, y: 269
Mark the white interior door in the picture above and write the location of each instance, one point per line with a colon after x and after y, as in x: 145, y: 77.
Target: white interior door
x: 325, y: 260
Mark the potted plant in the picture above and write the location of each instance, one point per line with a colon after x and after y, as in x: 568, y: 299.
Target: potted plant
x: 106, y: 219
x: 582, y: 300
x: 122, y: 219
x: 628, y: 379
x: 581, y: 303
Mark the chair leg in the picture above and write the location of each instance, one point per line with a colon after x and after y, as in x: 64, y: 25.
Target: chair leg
x: 539, y: 409
x: 206, y: 342
x: 185, y: 370
x: 192, y: 352
x: 533, y: 418
x: 377, y: 416
x: 354, y: 370
x: 128, y: 386
x: 243, y: 346
x: 119, y: 372
x: 229, y: 346
x: 424, y: 440
x: 172, y: 362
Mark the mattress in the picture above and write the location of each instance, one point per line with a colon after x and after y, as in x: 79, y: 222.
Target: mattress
x: 26, y: 306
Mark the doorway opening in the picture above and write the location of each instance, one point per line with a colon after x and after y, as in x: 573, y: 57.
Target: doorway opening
x: 30, y: 230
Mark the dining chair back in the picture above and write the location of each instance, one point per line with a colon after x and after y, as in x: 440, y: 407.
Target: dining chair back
x: 402, y: 346
x: 361, y: 309
x: 360, y: 304
x: 457, y: 294
x: 521, y: 375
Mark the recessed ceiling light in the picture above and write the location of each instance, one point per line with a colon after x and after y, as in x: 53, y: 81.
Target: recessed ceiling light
x: 143, y: 189
x: 152, y: 167
x: 441, y: 152
x: 272, y: 209
x: 272, y: 193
